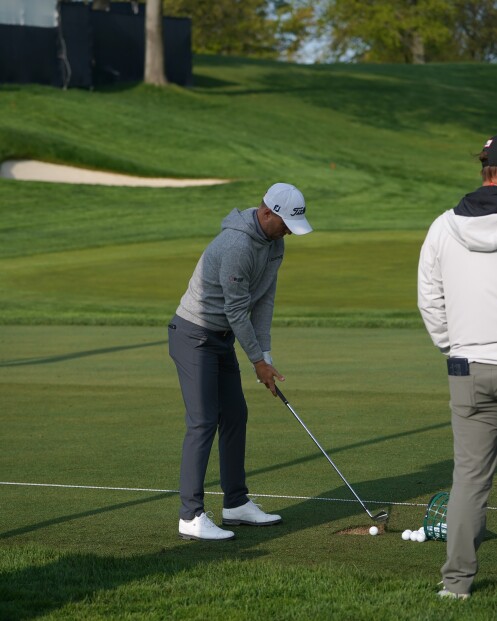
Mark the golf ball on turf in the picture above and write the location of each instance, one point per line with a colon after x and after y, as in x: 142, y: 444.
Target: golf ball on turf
x: 414, y: 536
x: 373, y: 530
x: 421, y: 537
x: 406, y: 535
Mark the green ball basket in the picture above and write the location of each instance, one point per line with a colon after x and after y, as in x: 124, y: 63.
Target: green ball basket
x: 435, y: 522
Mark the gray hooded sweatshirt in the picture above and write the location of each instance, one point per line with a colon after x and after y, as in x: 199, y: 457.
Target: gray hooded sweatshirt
x: 457, y: 278
x: 234, y: 283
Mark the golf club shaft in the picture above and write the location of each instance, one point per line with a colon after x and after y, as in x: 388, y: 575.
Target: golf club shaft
x: 285, y: 401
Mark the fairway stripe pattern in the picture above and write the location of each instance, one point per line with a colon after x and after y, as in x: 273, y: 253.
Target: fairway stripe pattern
x: 175, y: 491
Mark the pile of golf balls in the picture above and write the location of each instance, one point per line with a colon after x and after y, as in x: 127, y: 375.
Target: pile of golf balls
x: 414, y: 535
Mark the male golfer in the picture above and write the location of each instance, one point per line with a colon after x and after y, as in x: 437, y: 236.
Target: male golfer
x: 230, y: 295
x: 457, y: 297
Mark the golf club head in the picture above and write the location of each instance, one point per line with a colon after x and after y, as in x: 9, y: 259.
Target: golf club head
x: 382, y: 516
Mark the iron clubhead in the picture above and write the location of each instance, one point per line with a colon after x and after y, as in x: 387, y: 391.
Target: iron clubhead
x: 382, y: 516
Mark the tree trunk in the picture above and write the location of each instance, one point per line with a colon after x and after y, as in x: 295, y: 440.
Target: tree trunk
x: 154, y: 46
x: 417, y: 49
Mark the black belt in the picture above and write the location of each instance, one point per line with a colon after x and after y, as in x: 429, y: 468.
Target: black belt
x: 221, y: 333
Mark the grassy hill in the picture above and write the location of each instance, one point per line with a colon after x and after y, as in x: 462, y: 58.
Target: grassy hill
x: 374, y: 148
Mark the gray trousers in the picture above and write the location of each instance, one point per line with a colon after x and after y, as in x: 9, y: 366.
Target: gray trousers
x: 211, y: 386
x: 474, y: 425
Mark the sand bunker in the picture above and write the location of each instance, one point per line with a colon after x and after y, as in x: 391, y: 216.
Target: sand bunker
x: 32, y: 170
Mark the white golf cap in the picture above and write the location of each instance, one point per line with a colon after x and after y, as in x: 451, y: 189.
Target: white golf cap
x: 288, y: 203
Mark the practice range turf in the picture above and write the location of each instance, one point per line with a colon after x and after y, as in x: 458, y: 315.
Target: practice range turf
x: 89, y: 277
x: 99, y: 406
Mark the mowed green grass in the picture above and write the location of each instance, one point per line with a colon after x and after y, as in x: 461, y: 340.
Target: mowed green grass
x: 89, y: 277
x: 325, y: 281
x: 370, y: 146
x: 99, y: 406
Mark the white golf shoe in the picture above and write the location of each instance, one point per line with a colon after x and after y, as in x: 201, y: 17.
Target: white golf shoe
x: 203, y: 528
x: 250, y: 514
x: 450, y: 595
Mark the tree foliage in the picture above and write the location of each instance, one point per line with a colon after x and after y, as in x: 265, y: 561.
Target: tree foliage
x: 475, y: 30
x: 389, y: 30
x: 262, y: 28
x: 413, y: 30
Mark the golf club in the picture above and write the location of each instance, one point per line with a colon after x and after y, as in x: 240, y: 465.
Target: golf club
x: 382, y: 516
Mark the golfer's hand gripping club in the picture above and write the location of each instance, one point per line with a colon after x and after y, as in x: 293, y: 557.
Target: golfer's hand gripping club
x: 266, y: 355
x: 266, y: 373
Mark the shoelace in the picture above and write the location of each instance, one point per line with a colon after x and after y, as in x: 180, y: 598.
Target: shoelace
x: 207, y: 519
x: 257, y: 505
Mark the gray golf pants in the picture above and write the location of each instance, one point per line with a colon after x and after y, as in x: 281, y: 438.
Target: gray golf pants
x: 474, y: 425
x: 210, y: 382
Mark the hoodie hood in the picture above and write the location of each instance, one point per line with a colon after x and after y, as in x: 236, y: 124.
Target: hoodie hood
x: 245, y: 221
x: 473, y: 223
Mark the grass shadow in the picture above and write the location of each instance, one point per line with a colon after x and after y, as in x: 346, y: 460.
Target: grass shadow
x: 204, y: 81
x: 425, y: 482
x: 332, y: 451
x: 76, y: 355
x: 49, y: 584
x: 83, y: 514
x: 386, y: 98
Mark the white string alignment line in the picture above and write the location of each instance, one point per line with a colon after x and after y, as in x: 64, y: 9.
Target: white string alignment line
x: 254, y: 495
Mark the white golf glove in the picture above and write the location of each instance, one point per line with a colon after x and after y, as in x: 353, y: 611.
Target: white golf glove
x: 267, y: 357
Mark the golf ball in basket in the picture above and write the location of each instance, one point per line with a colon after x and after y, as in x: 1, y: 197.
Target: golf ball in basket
x: 406, y: 535
x: 373, y: 530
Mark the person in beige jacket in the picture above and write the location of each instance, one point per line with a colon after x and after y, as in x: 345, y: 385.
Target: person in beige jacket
x: 457, y: 298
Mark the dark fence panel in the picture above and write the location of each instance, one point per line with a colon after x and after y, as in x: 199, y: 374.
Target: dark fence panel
x: 178, y: 50
x: 76, y: 46
x: 118, y: 47
x: 28, y: 54
x: 92, y: 48
x: 127, y: 8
